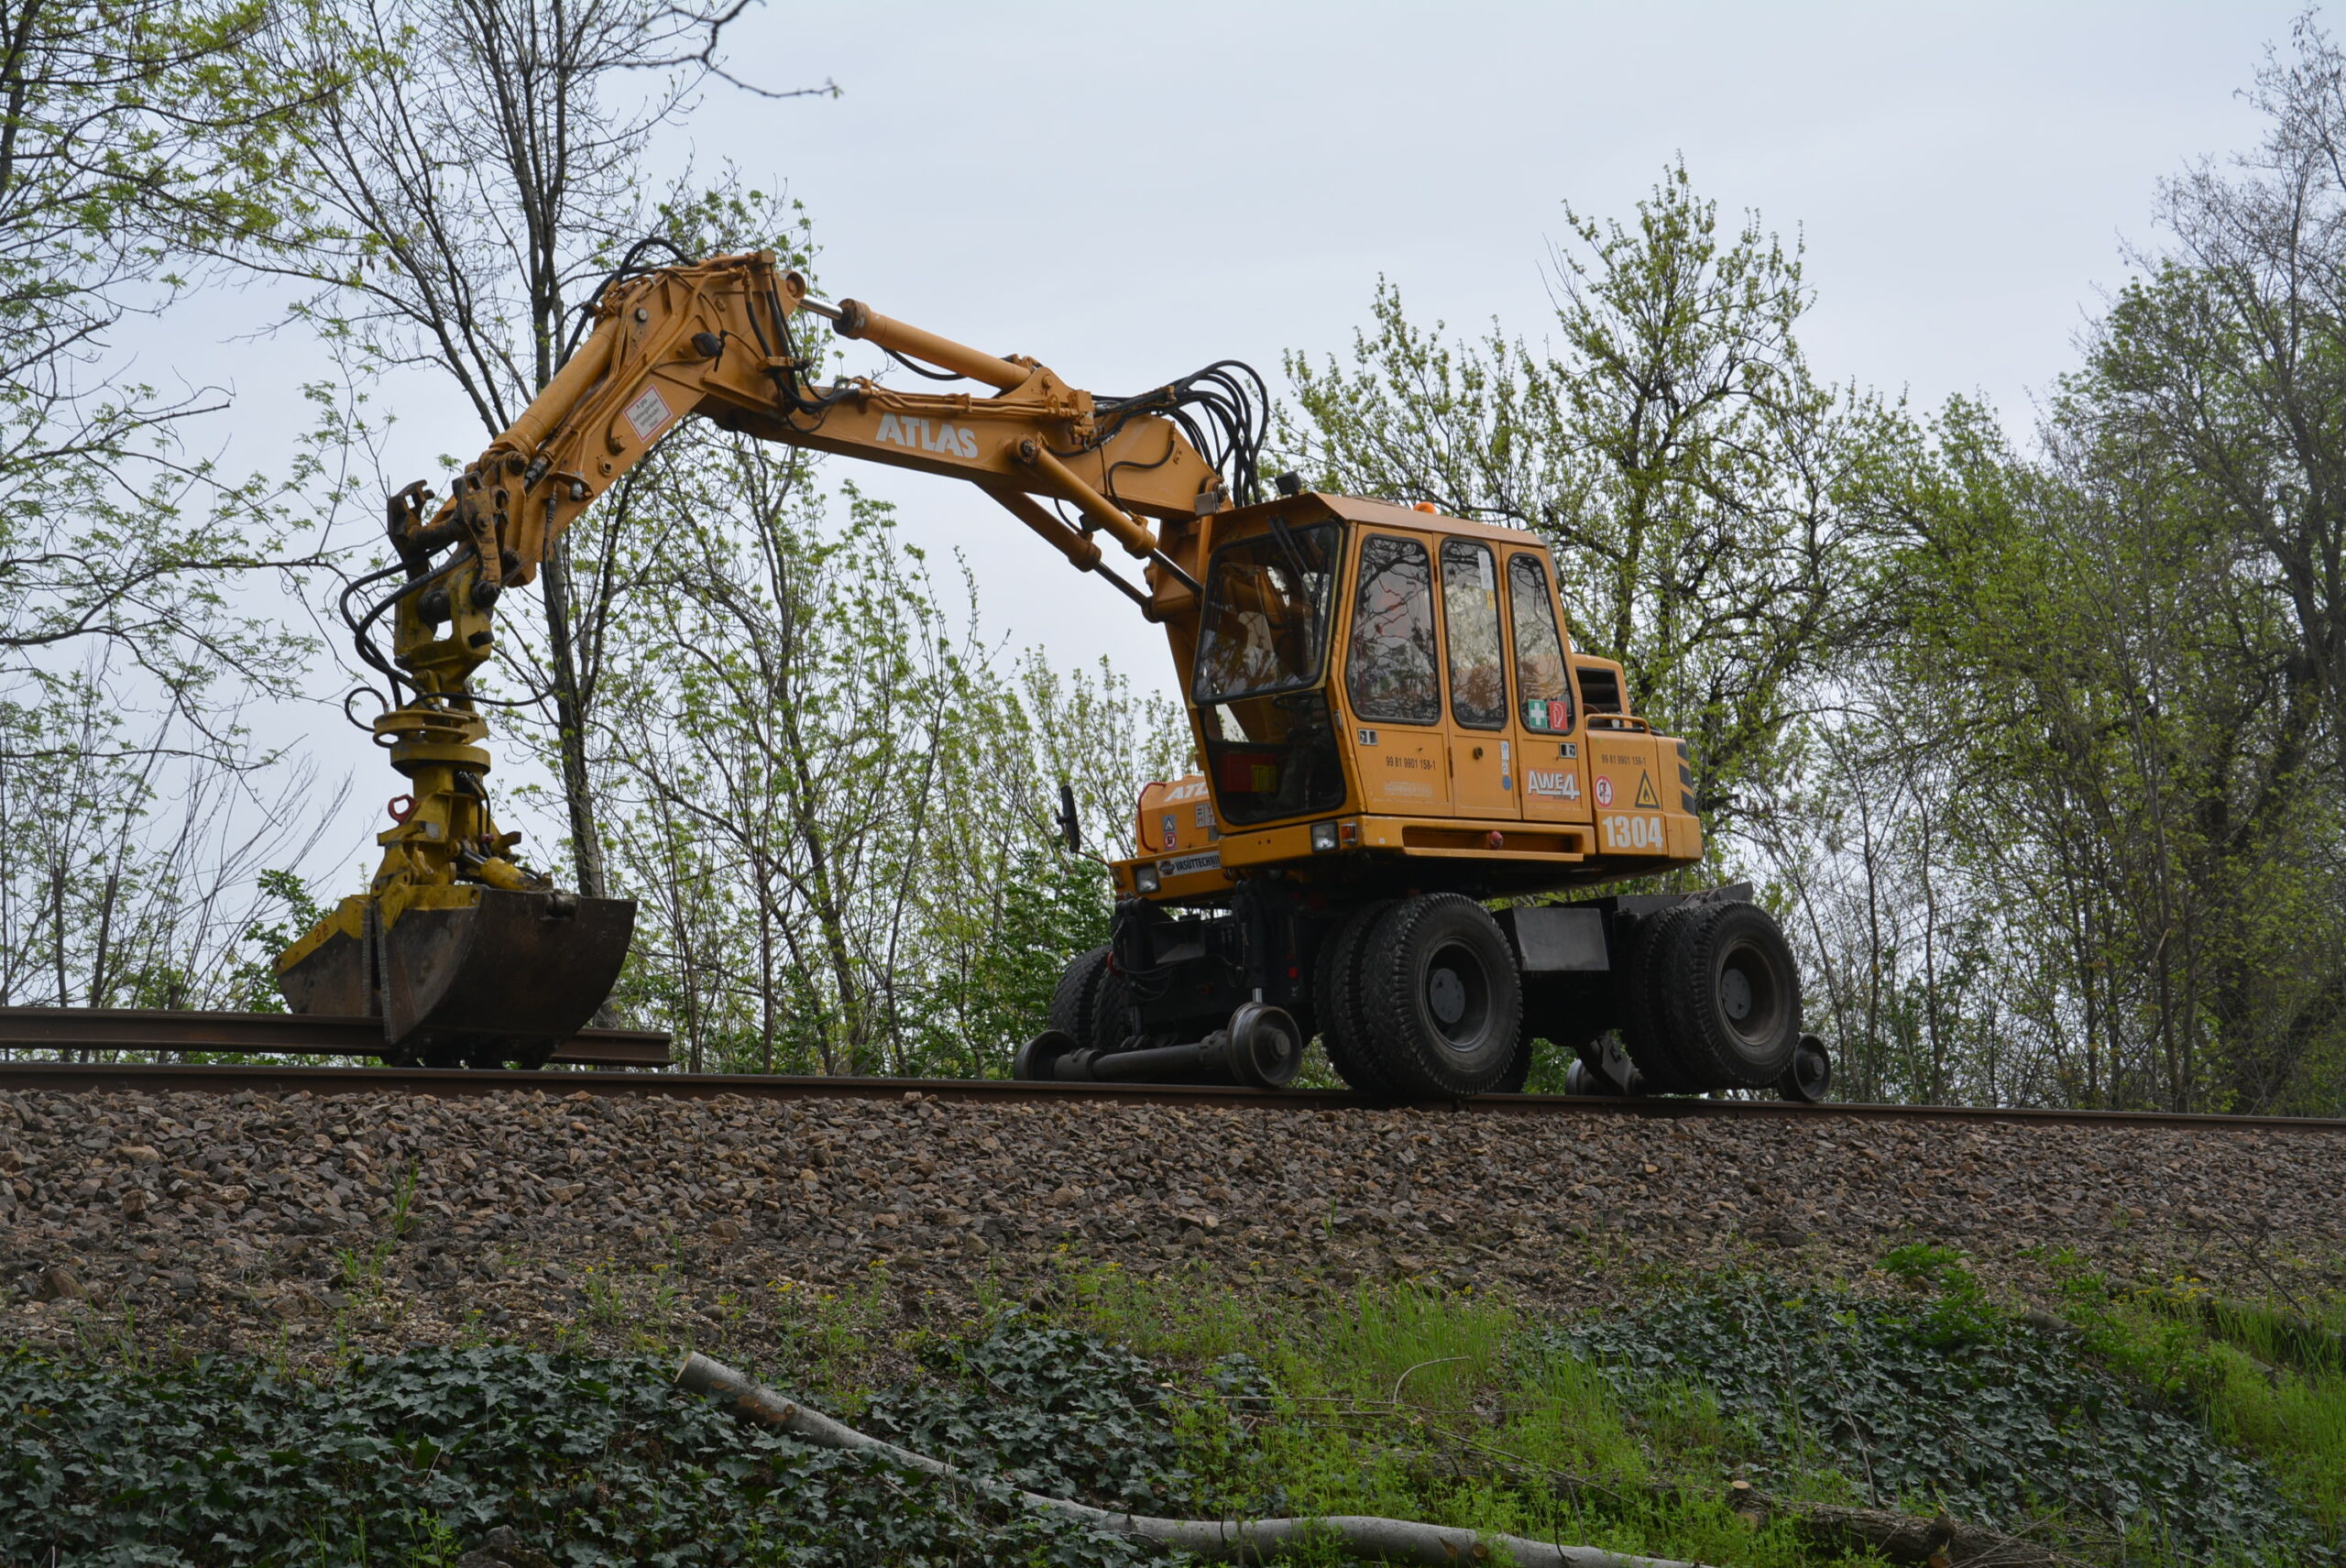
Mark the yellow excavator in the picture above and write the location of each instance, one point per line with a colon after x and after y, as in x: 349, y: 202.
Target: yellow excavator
x: 1393, y: 731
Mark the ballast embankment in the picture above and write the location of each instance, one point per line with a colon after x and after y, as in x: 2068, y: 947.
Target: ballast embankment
x: 256, y: 1219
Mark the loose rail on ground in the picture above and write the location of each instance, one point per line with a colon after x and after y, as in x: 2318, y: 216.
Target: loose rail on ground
x: 141, y: 1078
x: 272, y: 1034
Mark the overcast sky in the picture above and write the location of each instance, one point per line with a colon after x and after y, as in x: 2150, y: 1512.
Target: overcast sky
x: 1129, y: 192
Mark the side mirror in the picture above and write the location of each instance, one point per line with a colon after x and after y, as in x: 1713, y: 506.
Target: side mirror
x: 1070, y: 828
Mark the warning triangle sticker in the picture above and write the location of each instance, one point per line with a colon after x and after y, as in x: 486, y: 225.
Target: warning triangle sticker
x: 1645, y: 795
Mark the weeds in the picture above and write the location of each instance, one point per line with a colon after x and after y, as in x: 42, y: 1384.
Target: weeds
x: 1406, y: 1400
x: 2271, y: 1378
x: 1411, y: 1402
x: 830, y: 1338
x: 362, y: 1270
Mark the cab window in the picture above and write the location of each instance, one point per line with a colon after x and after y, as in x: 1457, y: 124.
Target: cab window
x: 1265, y: 625
x: 1470, y: 612
x: 1539, y: 675
x: 1390, y: 669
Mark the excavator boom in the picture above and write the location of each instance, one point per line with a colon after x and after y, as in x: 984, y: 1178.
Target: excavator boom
x: 467, y: 955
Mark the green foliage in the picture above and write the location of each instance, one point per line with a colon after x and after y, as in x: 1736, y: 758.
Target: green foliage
x: 1414, y: 1403
x: 413, y: 1458
x: 1934, y: 1405
x: 1959, y: 1311
x: 2262, y: 1376
x: 1053, y: 905
x: 254, y: 984
x: 2080, y: 746
x: 838, y: 813
x: 131, y: 132
x: 362, y: 1268
x: 1164, y: 1395
x: 1048, y: 1410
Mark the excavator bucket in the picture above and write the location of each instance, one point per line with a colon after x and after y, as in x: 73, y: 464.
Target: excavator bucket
x: 502, y: 980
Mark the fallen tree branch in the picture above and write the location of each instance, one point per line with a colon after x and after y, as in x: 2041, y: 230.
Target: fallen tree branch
x: 1217, y: 1541
x: 1902, y: 1538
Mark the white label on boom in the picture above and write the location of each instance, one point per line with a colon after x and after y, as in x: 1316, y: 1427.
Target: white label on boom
x: 648, y: 413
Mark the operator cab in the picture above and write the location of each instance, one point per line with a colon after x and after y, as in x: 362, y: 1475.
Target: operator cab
x: 1269, y: 740
x: 1410, y: 675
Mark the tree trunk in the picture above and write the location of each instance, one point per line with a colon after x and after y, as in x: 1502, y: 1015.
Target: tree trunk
x: 1902, y: 1538
x: 570, y: 724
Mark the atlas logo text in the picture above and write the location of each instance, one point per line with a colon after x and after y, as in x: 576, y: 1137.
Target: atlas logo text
x: 956, y: 440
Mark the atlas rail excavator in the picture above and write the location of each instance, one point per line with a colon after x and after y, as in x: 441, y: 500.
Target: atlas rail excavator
x: 1393, y: 728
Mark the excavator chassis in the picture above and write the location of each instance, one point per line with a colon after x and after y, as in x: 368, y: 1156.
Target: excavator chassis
x: 499, y: 981
x: 1417, y: 995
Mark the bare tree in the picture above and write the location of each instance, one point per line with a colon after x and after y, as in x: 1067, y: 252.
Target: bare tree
x: 483, y: 167
x: 2235, y: 348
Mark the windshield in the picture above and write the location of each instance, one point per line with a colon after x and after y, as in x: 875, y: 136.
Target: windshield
x: 1266, y: 622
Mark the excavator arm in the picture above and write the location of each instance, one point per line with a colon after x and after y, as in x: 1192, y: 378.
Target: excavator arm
x: 466, y: 955
x: 721, y: 339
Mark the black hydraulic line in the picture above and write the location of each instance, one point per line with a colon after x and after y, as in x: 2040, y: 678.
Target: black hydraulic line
x: 919, y: 369
x: 629, y: 267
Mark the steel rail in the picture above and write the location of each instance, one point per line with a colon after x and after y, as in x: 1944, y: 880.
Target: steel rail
x: 139, y: 1078
x: 58, y: 1029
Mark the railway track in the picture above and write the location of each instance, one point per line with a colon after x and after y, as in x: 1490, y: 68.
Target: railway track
x: 142, y: 1077
x: 61, y: 1029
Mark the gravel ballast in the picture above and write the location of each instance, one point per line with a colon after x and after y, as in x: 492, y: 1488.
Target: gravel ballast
x: 256, y: 1222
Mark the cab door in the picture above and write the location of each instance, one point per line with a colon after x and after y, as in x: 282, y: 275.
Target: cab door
x: 1554, y: 777
x: 1481, y: 739
x: 1393, y: 679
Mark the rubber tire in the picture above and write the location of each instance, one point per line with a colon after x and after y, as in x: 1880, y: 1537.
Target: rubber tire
x: 1518, y: 1065
x: 1110, y: 1012
x: 1075, y: 1003
x: 1714, y: 1048
x: 1413, y: 1051
x: 1335, y: 1001
x: 1646, y: 980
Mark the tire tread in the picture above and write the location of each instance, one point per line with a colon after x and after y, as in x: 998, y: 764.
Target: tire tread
x: 1705, y: 1054
x: 1645, y: 1019
x: 1075, y: 1001
x: 1335, y: 987
x: 1388, y: 983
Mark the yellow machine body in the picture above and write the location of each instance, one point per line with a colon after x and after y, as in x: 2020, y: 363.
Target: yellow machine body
x: 1385, y: 702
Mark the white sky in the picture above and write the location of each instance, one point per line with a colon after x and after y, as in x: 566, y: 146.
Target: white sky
x: 1128, y: 193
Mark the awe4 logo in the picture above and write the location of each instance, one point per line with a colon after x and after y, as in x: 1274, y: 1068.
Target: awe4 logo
x: 1562, y: 785
x: 920, y: 435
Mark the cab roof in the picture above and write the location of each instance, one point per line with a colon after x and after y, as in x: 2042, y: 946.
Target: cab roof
x: 1316, y: 506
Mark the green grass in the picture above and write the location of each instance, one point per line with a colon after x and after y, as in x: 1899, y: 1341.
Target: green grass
x: 1402, y: 1401
x: 2154, y: 1440
x: 2268, y: 1377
